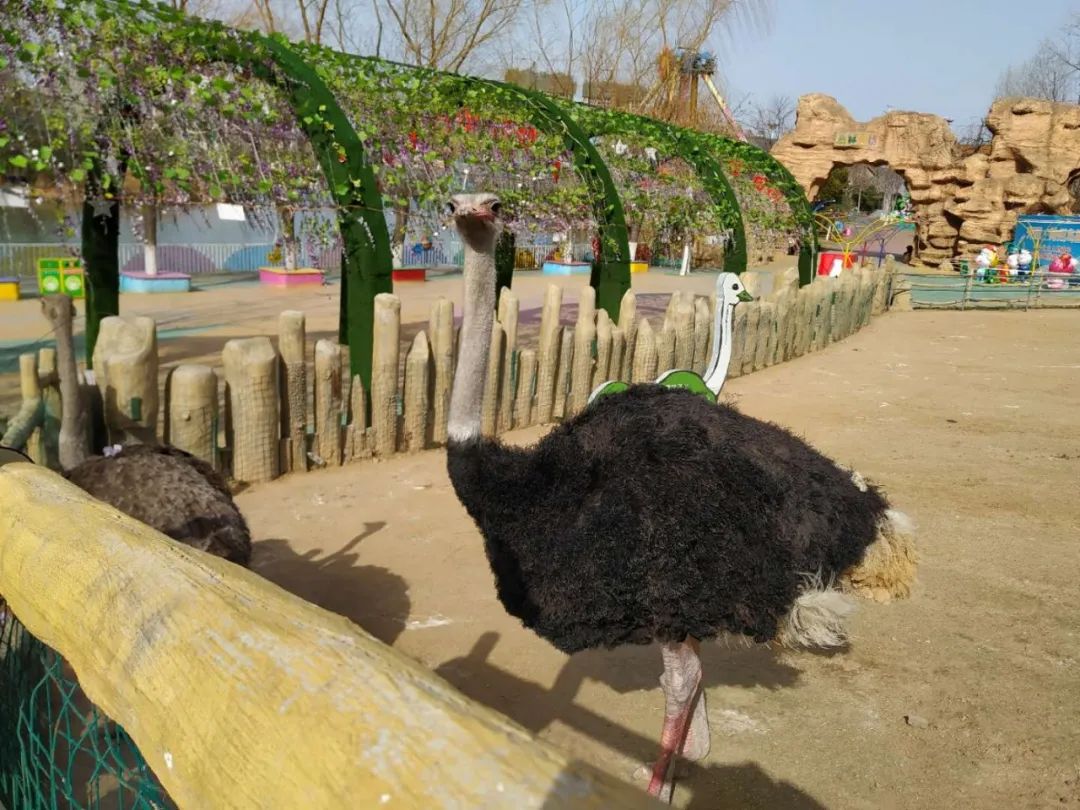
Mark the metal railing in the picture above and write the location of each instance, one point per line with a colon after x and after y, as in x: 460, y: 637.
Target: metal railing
x: 963, y: 290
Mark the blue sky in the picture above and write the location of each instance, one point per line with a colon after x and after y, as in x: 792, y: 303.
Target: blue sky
x: 935, y: 56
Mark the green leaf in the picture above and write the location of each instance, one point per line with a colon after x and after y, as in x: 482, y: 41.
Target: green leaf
x: 77, y: 175
x: 18, y: 161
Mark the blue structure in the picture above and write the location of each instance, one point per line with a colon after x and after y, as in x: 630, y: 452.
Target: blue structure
x: 161, y: 283
x: 1053, y: 232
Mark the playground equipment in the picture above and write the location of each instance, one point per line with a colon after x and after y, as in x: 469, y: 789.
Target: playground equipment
x: 848, y: 235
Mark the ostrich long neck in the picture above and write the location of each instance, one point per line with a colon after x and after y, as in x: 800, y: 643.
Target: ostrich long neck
x: 467, y: 397
x: 721, y: 348
x: 74, y: 438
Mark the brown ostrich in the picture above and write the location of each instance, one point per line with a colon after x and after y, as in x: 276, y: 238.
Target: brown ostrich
x: 168, y: 489
x: 655, y: 515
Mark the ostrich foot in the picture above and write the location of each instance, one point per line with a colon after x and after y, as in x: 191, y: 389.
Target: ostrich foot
x: 681, y: 683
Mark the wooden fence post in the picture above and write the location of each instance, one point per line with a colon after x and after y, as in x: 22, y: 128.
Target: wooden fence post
x: 51, y: 407
x: 628, y: 325
x: 682, y: 317
x: 292, y: 341
x: 753, y: 316
x: 738, y: 341
x: 618, y: 351
x: 560, y: 403
x: 357, y: 437
x: 645, y: 356
x: 665, y: 348
x: 384, y: 373
x: 441, y: 328
x: 548, y: 359
x: 251, y: 367
x: 509, y: 308
x: 525, y: 384
x: 584, y: 351
x: 702, y: 344
x: 417, y: 368
x: 191, y: 414
x: 489, y: 419
x: 328, y: 402
x: 603, y: 349
x: 765, y: 334
x: 126, y: 370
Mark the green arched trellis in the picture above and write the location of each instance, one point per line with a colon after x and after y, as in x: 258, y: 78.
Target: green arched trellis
x: 366, y: 261
x: 690, y: 146
x: 614, y: 273
x: 777, y: 173
x: 366, y: 271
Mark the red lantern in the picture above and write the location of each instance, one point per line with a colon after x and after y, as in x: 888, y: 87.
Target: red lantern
x: 413, y: 138
x: 555, y: 170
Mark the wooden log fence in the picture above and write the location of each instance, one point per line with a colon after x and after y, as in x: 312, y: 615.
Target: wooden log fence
x: 267, y: 429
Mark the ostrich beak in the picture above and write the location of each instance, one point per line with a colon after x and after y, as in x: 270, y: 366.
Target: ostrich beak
x: 745, y: 296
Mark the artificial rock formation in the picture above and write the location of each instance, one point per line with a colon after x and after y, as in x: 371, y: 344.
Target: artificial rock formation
x: 960, y: 200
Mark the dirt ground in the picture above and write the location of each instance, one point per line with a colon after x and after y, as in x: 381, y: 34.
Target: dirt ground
x: 967, y: 695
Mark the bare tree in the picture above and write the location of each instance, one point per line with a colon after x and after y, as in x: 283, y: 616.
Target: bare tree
x: 769, y: 122
x: 1051, y: 74
x: 445, y: 34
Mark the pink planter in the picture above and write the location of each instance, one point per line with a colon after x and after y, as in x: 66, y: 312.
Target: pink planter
x: 280, y: 277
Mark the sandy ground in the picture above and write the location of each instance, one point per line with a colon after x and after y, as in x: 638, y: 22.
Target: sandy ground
x: 969, y: 421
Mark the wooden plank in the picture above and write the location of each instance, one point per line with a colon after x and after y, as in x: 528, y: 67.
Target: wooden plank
x: 314, y: 712
x: 560, y: 401
x: 603, y: 349
x: 192, y: 411
x: 628, y: 323
x: 702, y: 324
x: 682, y: 319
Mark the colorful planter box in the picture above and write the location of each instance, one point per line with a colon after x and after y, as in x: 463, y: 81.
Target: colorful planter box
x: 62, y: 274
x: 136, y: 282
x: 9, y: 289
x: 639, y: 267
x: 409, y: 274
x: 280, y: 277
x: 566, y: 268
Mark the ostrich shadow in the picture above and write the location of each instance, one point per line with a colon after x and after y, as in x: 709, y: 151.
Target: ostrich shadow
x: 715, y: 787
x: 371, y: 596
x: 629, y: 669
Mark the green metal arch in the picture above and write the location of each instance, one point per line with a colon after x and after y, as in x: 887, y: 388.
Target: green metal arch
x: 778, y: 174
x: 687, y: 144
x: 613, y: 279
x: 366, y: 267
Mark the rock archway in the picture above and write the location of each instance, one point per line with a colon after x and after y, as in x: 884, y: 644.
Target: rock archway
x: 960, y: 200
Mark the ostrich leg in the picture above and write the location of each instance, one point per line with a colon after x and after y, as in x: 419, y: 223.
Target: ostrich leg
x: 686, y: 726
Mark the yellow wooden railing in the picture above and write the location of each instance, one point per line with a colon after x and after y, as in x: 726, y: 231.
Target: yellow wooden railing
x: 241, y: 695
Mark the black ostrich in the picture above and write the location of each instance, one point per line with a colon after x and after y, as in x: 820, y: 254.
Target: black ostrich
x: 166, y: 488
x: 655, y: 515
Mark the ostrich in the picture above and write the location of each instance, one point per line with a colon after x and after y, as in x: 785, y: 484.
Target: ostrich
x: 655, y: 515
x: 166, y: 488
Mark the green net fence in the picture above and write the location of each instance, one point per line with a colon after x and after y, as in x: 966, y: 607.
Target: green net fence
x: 56, y: 749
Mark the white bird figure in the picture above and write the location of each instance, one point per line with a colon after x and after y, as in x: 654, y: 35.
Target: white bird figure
x: 729, y: 292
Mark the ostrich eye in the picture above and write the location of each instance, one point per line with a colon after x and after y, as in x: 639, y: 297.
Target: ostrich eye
x: 496, y: 207
x: 450, y: 207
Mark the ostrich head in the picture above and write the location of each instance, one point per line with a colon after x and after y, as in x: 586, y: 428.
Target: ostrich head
x: 477, y: 219
x: 730, y: 290
x: 58, y: 309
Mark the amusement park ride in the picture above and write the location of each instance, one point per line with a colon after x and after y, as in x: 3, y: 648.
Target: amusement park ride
x: 674, y: 95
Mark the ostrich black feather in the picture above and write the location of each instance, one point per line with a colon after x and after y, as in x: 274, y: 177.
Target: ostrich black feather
x: 172, y: 491
x: 656, y: 515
